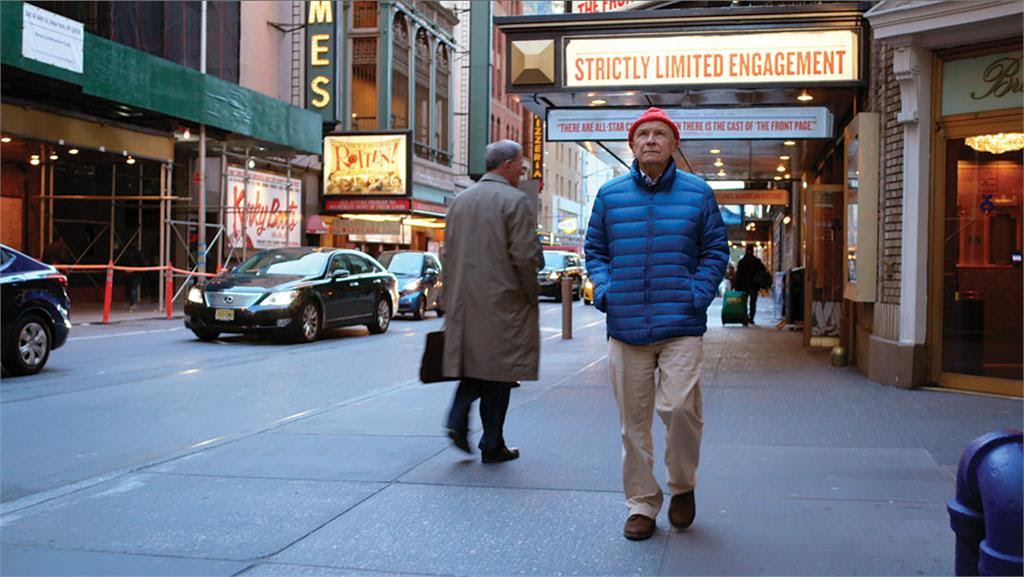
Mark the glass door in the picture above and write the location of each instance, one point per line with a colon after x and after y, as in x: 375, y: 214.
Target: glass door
x: 981, y: 287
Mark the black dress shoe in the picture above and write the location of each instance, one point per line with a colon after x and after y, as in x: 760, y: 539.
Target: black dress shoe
x: 500, y: 455
x: 460, y: 441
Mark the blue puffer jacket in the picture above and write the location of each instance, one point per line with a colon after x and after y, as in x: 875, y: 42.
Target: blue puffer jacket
x: 655, y: 255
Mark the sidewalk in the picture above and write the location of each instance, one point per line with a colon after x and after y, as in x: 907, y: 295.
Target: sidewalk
x: 806, y: 470
x: 90, y: 313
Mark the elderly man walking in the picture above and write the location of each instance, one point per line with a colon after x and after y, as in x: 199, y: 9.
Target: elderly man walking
x: 656, y: 252
x: 492, y: 336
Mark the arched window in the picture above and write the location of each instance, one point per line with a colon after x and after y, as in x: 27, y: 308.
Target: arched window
x: 423, y: 63
x: 364, y: 83
x: 441, y: 105
x: 400, y: 73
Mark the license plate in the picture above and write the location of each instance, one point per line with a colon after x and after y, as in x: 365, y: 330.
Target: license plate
x: 224, y: 315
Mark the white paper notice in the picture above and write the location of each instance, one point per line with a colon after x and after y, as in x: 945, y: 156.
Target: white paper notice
x: 52, y: 39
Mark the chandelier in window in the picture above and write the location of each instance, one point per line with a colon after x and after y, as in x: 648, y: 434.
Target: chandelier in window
x: 997, y: 143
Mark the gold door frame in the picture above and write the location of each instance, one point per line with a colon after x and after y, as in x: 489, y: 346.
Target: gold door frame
x: 952, y: 128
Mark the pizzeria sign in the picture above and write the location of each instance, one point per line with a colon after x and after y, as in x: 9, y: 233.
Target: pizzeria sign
x: 695, y: 59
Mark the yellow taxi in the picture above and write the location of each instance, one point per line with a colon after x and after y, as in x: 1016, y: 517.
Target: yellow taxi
x: 588, y: 292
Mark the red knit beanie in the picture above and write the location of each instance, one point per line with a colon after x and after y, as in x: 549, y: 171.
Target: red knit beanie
x: 653, y: 113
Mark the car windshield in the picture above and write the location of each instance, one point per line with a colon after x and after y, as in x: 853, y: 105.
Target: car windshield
x: 288, y: 262
x: 554, y: 260
x: 406, y: 263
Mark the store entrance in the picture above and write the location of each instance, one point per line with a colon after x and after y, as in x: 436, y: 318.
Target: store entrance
x: 981, y: 321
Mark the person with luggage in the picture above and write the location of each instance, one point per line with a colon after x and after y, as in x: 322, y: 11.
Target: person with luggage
x: 656, y: 252
x: 492, y: 330
x: 750, y: 278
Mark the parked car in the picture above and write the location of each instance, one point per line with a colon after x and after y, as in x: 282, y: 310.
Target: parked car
x: 420, y: 281
x: 559, y: 264
x: 36, y: 311
x: 295, y: 293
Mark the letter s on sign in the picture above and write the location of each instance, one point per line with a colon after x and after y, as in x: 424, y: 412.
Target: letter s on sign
x: 323, y: 96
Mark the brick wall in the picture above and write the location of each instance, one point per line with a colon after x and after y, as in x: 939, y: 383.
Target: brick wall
x: 885, y: 99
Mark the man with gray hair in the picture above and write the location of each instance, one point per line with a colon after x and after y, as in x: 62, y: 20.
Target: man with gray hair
x: 492, y: 335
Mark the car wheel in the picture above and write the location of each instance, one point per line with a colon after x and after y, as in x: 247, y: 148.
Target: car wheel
x: 205, y: 334
x: 381, y: 316
x: 421, y: 308
x: 306, y: 325
x: 29, y: 348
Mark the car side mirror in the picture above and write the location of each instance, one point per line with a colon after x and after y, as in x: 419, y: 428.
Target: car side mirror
x: 340, y: 273
x: 430, y: 272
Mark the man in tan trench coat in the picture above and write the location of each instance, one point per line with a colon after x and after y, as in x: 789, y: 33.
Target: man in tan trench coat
x: 492, y: 336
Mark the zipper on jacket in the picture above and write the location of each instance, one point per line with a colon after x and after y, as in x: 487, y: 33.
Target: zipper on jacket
x: 647, y: 262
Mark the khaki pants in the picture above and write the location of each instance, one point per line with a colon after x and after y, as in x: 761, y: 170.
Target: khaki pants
x: 663, y: 376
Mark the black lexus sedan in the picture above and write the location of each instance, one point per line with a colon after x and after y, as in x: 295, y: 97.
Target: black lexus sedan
x: 420, y: 281
x: 36, y: 311
x: 295, y: 293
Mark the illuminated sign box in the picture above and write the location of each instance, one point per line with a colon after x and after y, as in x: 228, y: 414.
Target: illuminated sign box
x: 774, y: 196
x: 610, y: 124
x: 268, y: 204
x: 367, y: 164
x: 766, y: 58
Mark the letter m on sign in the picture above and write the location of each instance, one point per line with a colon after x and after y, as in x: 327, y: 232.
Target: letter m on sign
x: 320, y: 13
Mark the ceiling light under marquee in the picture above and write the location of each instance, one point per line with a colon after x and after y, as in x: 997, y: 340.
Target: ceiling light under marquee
x: 784, y: 157
x: 714, y: 151
x: 790, y: 143
x: 804, y: 97
x: 996, y: 143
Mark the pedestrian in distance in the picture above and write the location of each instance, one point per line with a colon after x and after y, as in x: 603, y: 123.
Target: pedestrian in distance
x: 492, y: 332
x: 57, y: 252
x: 132, y: 257
x: 656, y: 252
x: 750, y: 278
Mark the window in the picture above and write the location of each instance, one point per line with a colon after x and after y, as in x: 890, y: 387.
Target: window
x: 423, y: 63
x: 364, y: 14
x: 337, y: 263
x: 358, y: 264
x: 441, y: 104
x: 400, y: 74
x: 364, y: 83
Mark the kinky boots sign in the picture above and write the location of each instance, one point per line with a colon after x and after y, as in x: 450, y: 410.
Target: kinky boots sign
x: 990, y: 82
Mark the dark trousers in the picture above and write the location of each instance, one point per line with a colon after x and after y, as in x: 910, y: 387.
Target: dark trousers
x: 752, y: 301
x: 134, y: 284
x: 494, y: 396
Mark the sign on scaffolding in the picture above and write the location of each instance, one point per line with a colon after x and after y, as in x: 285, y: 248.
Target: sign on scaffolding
x: 266, y: 213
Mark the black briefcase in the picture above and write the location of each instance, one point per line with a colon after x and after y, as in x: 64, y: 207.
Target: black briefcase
x: 431, y: 366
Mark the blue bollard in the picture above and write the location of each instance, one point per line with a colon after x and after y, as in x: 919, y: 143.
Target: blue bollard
x: 986, y: 513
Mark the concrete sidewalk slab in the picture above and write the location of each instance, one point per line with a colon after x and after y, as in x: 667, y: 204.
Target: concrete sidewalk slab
x: 185, y: 516
x: 21, y: 560
x: 477, y: 531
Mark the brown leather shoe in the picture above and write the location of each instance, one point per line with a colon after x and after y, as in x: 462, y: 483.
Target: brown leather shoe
x: 682, y: 510
x: 499, y: 455
x: 638, y: 528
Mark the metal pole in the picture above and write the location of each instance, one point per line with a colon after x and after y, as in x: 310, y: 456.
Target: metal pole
x: 289, y: 212
x: 566, y: 307
x: 113, y: 192
x: 160, y: 220
x: 49, y: 236
x: 245, y: 203
x: 138, y: 243
x: 201, y: 248
x: 42, y: 203
x: 223, y: 202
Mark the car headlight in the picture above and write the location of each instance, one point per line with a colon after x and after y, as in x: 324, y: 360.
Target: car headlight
x: 195, y: 295
x: 553, y: 275
x: 282, y: 298
x: 411, y: 286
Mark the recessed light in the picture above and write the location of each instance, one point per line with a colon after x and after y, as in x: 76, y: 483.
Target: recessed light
x: 54, y: 156
x: 786, y: 219
x: 252, y: 163
x: 721, y: 173
x: 598, y: 101
x: 777, y: 177
x: 790, y: 143
x: 784, y: 157
x: 714, y: 151
x: 718, y: 162
x: 72, y: 151
x: 786, y: 176
x: 5, y: 139
x: 34, y: 161
x: 780, y: 168
x: 804, y: 97
x: 130, y: 160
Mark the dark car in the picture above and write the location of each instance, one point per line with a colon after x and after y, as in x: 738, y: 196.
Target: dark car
x: 36, y: 311
x: 557, y: 265
x: 295, y: 293
x: 419, y: 281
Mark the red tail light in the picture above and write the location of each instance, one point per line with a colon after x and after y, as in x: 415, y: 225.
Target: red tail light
x: 59, y: 278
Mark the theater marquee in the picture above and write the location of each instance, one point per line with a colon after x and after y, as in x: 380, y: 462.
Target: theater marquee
x: 750, y: 58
